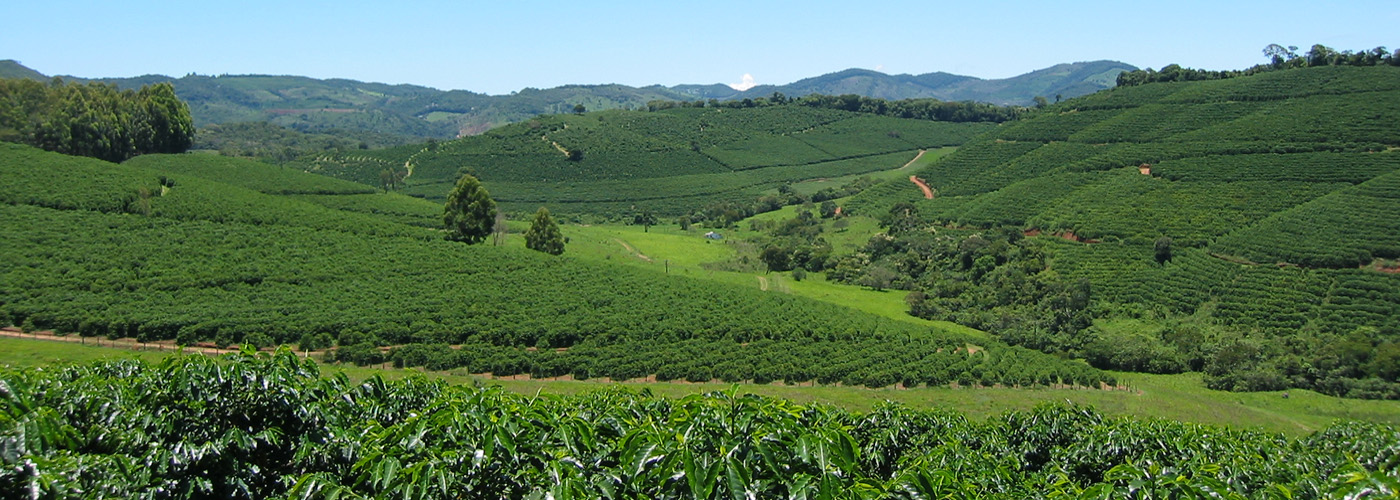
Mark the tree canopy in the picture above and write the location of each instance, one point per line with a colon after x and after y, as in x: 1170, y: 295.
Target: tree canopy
x: 94, y: 120
x: 470, y: 214
x: 544, y: 235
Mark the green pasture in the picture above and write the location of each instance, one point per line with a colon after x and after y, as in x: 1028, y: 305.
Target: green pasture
x: 665, y: 248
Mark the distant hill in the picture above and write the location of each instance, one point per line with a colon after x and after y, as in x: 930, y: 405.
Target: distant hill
x: 315, y: 105
x: 10, y: 68
x: 1065, y: 80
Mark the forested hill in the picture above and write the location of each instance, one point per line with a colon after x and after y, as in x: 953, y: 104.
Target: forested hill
x: 1063, y: 80
x: 671, y: 161
x: 314, y: 105
x: 1247, y: 227
x: 206, y: 248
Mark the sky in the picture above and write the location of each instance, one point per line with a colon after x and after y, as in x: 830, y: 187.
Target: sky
x: 501, y: 46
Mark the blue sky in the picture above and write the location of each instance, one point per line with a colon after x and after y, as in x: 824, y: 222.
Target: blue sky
x: 505, y: 45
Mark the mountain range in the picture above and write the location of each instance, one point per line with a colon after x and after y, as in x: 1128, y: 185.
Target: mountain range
x: 313, y: 105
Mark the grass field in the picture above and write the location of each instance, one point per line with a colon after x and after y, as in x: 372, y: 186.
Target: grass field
x: 668, y: 249
x: 1174, y: 397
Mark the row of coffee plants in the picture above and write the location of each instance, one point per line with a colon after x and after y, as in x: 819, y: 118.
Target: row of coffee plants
x: 271, y: 427
x: 872, y: 362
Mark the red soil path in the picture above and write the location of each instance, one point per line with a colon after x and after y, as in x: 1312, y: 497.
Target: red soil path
x: 928, y: 193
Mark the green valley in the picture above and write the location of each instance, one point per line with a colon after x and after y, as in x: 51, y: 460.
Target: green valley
x: 1184, y: 285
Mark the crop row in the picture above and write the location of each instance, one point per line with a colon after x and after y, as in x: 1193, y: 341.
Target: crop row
x: 1347, y: 228
x: 873, y: 362
x: 1324, y: 167
x: 272, y: 427
x: 259, y: 177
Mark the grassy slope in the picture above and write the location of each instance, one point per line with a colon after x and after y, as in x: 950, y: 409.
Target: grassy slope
x: 1174, y: 397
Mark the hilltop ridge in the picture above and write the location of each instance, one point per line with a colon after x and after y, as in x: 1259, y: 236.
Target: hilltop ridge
x: 313, y: 105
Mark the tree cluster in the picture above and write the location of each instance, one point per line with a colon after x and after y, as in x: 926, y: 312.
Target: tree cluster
x: 94, y: 120
x: 1280, y: 58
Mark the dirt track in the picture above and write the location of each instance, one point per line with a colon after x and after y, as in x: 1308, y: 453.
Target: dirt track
x: 928, y: 192
x: 911, y: 162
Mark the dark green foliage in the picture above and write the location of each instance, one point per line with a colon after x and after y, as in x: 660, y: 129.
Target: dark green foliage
x: 94, y: 120
x: 544, y: 235
x: 470, y: 213
x: 269, y: 426
x: 1280, y: 59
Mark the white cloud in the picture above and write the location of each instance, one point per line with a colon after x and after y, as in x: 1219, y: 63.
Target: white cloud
x: 879, y: 67
x: 746, y: 84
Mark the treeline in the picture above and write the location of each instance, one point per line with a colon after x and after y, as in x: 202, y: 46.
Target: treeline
x: 94, y: 120
x: 271, y: 426
x: 1280, y: 58
x: 919, y: 109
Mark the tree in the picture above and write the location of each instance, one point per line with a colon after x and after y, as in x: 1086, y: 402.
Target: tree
x: 645, y: 219
x: 580, y: 109
x: 828, y: 209
x: 315, y: 341
x: 470, y: 213
x: 878, y: 277
x: 777, y: 258
x: 544, y: 235
x: 1163, y: 249
x: 1041, y: 102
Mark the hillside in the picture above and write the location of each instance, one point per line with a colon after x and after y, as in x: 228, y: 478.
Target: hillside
x: 205, y: 248
x: 1244, y: 227
x: 315, y: 105
x: 10, y: 68
x: 671, y: 162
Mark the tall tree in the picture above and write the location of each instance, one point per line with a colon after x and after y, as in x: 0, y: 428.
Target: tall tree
x: 544, y: 235
x: 469, y: 214
x: 646, y: 219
